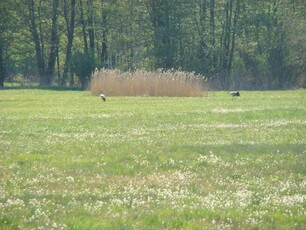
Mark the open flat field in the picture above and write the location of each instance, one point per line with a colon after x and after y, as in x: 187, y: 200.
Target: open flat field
x: 69, y: 161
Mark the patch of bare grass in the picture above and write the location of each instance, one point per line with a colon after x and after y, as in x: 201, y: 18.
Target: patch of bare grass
x: 146, y: 83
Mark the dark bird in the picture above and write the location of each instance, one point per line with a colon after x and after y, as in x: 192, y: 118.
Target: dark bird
x: 103, y: 97
x: 235, y: 94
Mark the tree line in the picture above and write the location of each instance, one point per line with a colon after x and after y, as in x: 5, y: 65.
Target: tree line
x: 234, y: 44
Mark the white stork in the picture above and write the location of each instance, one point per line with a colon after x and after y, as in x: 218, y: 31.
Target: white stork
x: 103, y: 97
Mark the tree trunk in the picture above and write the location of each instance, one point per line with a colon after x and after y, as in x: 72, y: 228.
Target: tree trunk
x: 54, y: 44
x: 83, y: 27
x: 160, y: 19
x: 90, y: 30
x: 203, y: 55
x: 40, y: 62
x: 212, y: 22
x: 232, y: 50
x: 70, y: 24
x: 71, y: 82
x: 2, y: 68
x: 104, y: 51
x: 228, y: 42
x: 213, y: 53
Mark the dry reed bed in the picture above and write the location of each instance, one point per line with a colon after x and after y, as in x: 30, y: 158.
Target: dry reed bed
x: 147, y: 83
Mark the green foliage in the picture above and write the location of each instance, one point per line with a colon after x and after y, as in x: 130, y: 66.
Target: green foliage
x: 69, y: 161
x: 235, y: 44
x: 20, y: 80
x: 83, y: 65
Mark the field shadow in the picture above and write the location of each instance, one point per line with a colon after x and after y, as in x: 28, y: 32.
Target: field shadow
x: 50, y: 88
x: 248, y: 148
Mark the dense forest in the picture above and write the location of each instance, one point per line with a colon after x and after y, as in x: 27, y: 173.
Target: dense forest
x: 234, y: 44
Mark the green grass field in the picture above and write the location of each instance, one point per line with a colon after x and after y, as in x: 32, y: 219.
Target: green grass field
x: 69, y: 161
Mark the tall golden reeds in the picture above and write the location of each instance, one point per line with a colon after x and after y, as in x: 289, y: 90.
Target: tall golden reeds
x: 146, y: 83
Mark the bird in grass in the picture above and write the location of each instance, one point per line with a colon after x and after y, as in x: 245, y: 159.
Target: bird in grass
x: 235, y: 94
x: 103, y: 97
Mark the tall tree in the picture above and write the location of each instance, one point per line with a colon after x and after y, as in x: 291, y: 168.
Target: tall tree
x: 203, y: 51
x: 160, y: 17
x: 278, y: 49
x: 212, y: 22
x: 3, y: 41
x: 45, y: 65
x: 232, y: 11
x: 90, y: 25
x: 40, y: 61
x: 83, y: 25
x: 54, y: 43
x: 104, y: 27
x: 2, y: 65
x: 69, y: 16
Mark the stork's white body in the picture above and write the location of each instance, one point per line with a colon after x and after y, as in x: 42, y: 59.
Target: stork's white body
x: 103, y: 97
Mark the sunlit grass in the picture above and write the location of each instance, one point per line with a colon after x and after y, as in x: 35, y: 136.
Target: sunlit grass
x: 69, y: 161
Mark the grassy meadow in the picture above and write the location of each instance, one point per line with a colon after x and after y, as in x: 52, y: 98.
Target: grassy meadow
x: 69, y: 161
